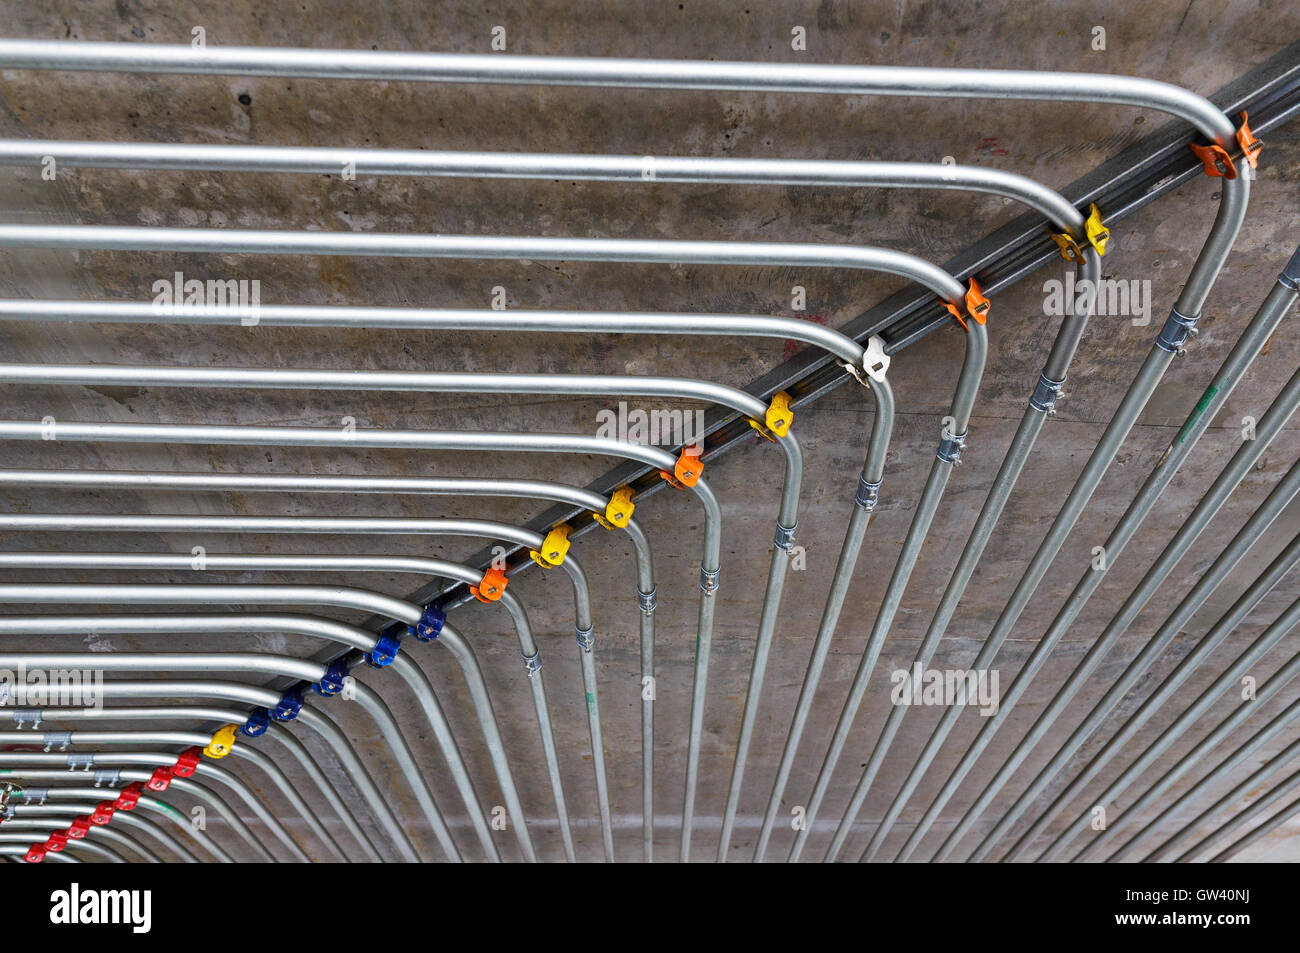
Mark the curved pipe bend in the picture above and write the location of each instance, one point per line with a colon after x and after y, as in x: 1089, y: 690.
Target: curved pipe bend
x: 501, y: 68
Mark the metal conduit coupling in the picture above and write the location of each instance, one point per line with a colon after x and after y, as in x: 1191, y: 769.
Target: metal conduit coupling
x: 1290, y: 276
x: 647, y: 601
x: 532, y: 663
x: 1045, y: 394
x: 81, y: 761
x: 1178, y: 328
x: 57, y: 739
x: 586, y: 638
x: 709, y: 581
x: 951, y: 446
x: 868, y: 494
x: 784, y: 539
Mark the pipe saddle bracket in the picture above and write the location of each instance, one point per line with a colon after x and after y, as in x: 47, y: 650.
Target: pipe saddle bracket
x: 554, y: 548
x: 1251, y: 145
x: 430, y: 625
x: 778, y: 418
x: 688, y: 468
x: 618, y: 511
x: 1098, y: 234
x: 1216, y: 160
x: 977, y: 306
x: 491, y: 587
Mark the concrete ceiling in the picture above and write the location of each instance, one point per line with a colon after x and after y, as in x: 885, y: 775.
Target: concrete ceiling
x: 1201, y: 45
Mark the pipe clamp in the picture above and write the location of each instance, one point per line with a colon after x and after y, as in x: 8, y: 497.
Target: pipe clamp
x: 431, y: 622
x: 23, y: 715
x: 107, y: 777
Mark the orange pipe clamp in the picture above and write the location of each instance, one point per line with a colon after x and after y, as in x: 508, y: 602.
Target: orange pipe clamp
x: 490, y: 587
x: 1216, y: 159
x: 688, y: 469
x: 977, y: 306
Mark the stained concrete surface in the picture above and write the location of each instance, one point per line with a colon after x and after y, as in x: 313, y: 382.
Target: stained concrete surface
x: 1199, y: 45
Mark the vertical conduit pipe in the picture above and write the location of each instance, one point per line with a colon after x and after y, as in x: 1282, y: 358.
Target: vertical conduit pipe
x: 947, y: 456
x: 1248, y: 347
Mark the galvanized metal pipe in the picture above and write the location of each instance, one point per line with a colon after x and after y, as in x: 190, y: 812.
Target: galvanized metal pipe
x: 266, y: 664
x: 1227, y: 223
x: 1041, y: 404
x: 275, y: 730
x: 1167, y: 632
x: 948, y: 455
x: 98, y: 851
x: 204, y: 795
x: 116, y: 838
x: 256, y: 623
x: 95, y: 739
x: 1248, y: 601
x: 336, y: 741
x: 279, y: 665
x: 10, y: 850
x: 1258, y: 833
x: 137, y: 823
x: 605, y: 72
x: 56, y: 522
x: 189, y: 157
x: 1243, y: 354
x: 1253, y: 782
x: 290, y: 379
x: 1263, y: 736
x: 490, y: 247
x: 1230, y: 727
x: 119, y: 837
